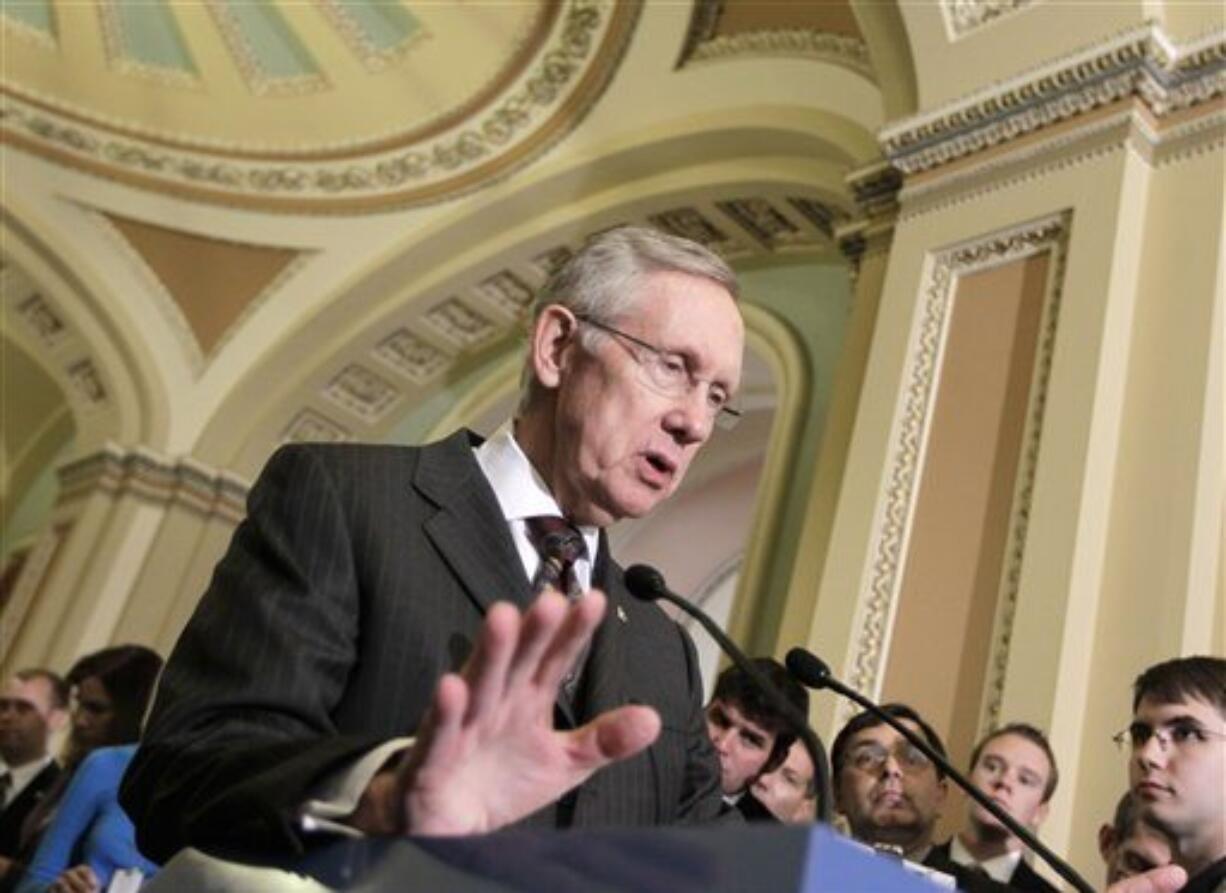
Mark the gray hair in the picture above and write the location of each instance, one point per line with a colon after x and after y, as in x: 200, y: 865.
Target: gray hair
x: 603, y: 280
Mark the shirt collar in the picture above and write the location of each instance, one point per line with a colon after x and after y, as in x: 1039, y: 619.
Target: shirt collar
x: 999, y: 868
x: 521, y: 492
x: 24, y: 774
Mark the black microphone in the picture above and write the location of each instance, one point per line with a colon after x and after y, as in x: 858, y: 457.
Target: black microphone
x: 648, y: 584
x: 812, y: 671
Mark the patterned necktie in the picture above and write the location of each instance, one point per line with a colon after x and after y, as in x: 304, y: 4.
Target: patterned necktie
x: 560, y: 545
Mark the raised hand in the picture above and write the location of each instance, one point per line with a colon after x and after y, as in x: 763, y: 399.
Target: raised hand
x: 78, y: 879
x: 1164, y: 879
x: 487, y: 753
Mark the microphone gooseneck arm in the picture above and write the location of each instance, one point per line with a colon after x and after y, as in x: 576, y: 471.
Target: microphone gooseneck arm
x: 648, y: 584
x: 812, y: 671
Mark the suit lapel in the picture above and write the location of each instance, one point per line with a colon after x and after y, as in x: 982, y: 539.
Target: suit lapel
x: 469, y: 530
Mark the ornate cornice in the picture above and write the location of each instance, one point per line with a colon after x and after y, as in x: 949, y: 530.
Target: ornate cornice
x: 802, y: 43
x: 142, y: 473
x: 896, y: 504
x: 964, y: 16
x: 1142, y: 64
x: 567, y: 75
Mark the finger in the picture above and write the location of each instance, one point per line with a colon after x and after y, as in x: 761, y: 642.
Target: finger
x: 614, y: 735
x: 485, y: 671
x: 1166, y: 879
x: 570, y: 640
x: 438, y: 738
x: 537, y: 631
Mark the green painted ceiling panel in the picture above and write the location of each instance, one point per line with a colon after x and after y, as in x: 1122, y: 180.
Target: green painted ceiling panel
x: 150, y: 35
x: 36, y: 14
x: 277, y: 50
x: 384, y: 25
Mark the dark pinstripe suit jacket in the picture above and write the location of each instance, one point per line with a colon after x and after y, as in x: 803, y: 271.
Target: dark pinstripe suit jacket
x: 360, y: 575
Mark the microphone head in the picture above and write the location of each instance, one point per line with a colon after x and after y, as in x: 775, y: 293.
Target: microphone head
x: 645, y: 582
x: 809, y: 669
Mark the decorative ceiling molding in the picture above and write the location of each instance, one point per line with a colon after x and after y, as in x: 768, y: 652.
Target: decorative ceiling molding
x: 431, y: 339
x: 964, y: 16
x: 568, y: 73
x: 143, y: 473
x: 801, y: 43
x: 1142, y: 63
x: 60, y: 349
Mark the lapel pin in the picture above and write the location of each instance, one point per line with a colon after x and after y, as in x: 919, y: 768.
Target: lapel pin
x: 621, y: 614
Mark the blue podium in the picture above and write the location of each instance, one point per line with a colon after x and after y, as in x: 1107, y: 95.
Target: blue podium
x: 732, y: 859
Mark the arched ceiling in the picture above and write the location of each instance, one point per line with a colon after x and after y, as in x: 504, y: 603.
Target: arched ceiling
x: 293, y: 230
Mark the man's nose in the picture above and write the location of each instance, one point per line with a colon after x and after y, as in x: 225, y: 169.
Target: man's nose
x: 690, y: 420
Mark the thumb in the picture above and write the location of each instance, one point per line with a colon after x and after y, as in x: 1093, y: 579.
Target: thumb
x: 615, y: 735
x: 1166, y: 879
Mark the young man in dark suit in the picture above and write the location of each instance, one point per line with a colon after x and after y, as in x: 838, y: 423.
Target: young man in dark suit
x: 371, y: 652
x: 1015, y: 766
x: 33, y: 708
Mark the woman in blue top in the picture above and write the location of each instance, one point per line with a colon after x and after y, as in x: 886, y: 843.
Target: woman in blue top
x: 89, y: 829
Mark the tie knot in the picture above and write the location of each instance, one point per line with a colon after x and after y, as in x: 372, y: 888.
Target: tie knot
x: 560, y: 545
x: 556, y: 538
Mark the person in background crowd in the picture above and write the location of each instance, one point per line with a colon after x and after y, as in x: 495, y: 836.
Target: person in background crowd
x: 1177, y: 763
x: 790, y: 792
x: 33, y: 708
x: 891, y: 793
x: 1130, y: 845
x: 1015, y: 766
x: 111, y: 689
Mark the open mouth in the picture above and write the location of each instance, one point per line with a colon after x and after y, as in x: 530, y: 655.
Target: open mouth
x: 659, y: 467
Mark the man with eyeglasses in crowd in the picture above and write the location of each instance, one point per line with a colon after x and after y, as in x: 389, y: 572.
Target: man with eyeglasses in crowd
x: 1177, y: 763
x: 891, y: 794
x: 1015, y: 766
x: 353, y: 662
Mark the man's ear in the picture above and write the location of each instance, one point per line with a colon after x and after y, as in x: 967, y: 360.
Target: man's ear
x: 1106, y: 842
x: 553, y: 333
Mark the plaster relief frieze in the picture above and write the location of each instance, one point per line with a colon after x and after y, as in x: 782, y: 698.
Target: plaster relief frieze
x: 1141, y: 63
x: 42, y: 320
x: 309, y: 426
x: 766, y: 223
x: 86, y: 382
x: 802, y: 43
x: 964, y: 16
x: 690, y: 223
x: 459, y: 323
x: 878, y: 602
x: 411, y: 356
x: 508, y: 292
x: 362, y: 392
x: 549, y: 262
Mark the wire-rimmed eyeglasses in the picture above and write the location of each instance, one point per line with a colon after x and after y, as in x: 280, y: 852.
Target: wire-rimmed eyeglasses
x: 1182, y: 734
x: 669, y: 375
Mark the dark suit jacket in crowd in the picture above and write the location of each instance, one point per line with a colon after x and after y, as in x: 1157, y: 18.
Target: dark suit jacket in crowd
x: 14, y: 814
x: 1024, y: 877
x: 361, y: 575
